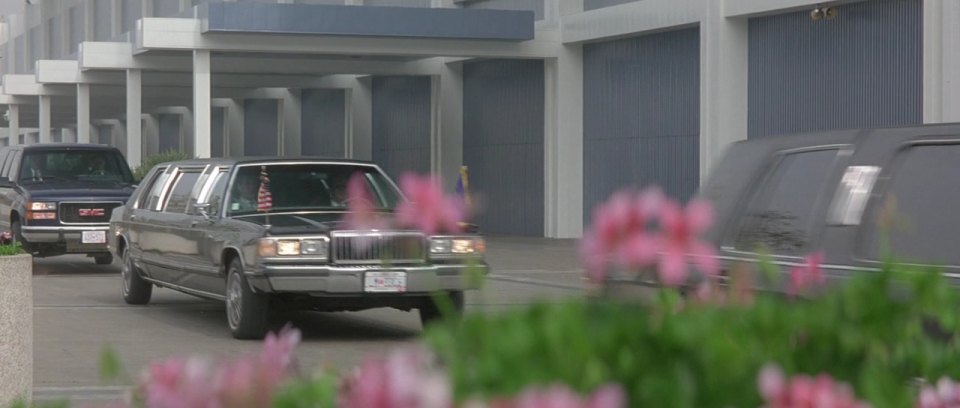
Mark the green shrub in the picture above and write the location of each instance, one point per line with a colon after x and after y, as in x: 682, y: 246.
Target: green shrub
x: 148, y: 162
x: 870, y: 333
x: 7, y: 249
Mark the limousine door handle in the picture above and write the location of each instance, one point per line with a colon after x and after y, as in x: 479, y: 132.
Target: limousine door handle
x: 194, y: 223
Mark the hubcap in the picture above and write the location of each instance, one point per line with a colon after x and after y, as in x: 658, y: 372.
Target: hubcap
x: 234, y: 299
x: 125, y: 273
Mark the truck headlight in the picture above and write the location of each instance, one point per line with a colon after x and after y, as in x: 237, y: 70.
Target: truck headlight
x: 42, y: 206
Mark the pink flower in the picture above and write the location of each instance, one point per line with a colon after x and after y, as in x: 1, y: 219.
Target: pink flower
x: 681, y: 241
x: 803, y: 391
x: 407, y: 378
x: 808, y: 275
x: 946, y: 394
x: 428, y: 209
x: 249, y: 381
x: 361, y: 213
x: 619, y: 237
x: 559, y: 396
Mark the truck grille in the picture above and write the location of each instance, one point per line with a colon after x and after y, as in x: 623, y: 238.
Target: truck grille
x: 87, y: 213
x: 361, y: 248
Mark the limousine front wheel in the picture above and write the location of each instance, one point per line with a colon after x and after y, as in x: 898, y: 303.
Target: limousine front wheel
x: 246, y: 310
x: 135, y: 290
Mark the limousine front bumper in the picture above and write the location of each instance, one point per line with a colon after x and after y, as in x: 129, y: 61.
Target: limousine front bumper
x: 347, y: 280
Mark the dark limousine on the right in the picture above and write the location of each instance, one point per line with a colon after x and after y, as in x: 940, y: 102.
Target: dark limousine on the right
x: 857, y: 195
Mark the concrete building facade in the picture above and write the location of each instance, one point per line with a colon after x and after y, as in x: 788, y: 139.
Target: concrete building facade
x: 552, y: 104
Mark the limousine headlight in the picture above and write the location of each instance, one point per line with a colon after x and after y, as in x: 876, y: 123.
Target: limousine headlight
x: 271, y: 247
x: 457, y: 246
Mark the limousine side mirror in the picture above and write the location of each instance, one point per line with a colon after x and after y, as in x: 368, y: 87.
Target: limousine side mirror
x: 202, y: 209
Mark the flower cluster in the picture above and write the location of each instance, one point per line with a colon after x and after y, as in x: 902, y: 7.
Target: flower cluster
x: 804, y: 392
x: 559, y: 396
x: 946, y: 394
x: 807, y: 276
x: 407, y: 378
x: 634, y: 231
x: 201, y: 383
x: 426, y: 209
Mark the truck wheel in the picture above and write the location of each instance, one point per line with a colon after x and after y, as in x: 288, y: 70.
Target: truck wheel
x: 247, y: 311
x: 103, y: 259
x: 134, y: 289
x: 430, y: 312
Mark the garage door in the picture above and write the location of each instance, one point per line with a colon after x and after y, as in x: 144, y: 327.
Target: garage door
x: 503, y: 107
x: 401, y: 124
x: 641, y: 115
x: 860, y: 69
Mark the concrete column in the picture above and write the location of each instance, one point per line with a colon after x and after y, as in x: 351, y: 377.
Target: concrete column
x: 201, y: 104
x: 290, y: 134
x: 134, y: 111
x: 45, y: 115
x: 235, y: 129
x: 116, y: 17
x: 83, y: 113
x: 89, y: 20
x: 68, y: 135
x: 185, y: 4
x: 450, y: 140
x: 724, y: 44
x: 16, y: 328
x: 941, y: 61
x: 563, y: 143
x: 14, y: 124
x: 361, y: 115
x: 151, y: 135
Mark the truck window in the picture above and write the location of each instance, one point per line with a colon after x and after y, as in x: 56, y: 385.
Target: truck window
x: 94, y: 166
x: 782, y: 214
x: 915, y: 212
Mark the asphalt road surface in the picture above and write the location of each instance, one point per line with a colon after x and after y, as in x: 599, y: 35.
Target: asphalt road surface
x: 78, y: 311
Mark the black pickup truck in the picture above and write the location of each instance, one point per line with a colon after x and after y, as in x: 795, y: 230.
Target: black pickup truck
x: 56, y: 199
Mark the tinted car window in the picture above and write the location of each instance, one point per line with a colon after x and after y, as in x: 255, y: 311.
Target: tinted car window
x: 82, y: 165
x: 923, y: 195
x: 217, y: 192
x: 180, y: 193
x: 781, y: 215
x: 299, y: 187
x: 153, y: 198
x: 149, y: 185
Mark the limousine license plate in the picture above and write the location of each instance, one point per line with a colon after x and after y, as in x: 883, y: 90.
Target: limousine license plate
x: 94, y: 237
x: 385, y: 282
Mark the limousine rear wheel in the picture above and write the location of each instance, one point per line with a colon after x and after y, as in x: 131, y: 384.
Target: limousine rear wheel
x: 135, y: 290
x: 246, y: 310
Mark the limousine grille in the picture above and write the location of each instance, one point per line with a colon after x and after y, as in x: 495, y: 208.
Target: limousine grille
x: 87, y: 213
x: 355, y: 248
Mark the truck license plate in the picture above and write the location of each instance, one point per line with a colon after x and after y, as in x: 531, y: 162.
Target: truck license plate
x: 94, y: 237
x: 385, y: 282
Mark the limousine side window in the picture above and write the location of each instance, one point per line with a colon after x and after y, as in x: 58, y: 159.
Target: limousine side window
x: 156, y: 191
x: 158, y: 177
x: 180, y: 192
x: 781, y: 215
x: 216, y: 193
x: 923, y: 196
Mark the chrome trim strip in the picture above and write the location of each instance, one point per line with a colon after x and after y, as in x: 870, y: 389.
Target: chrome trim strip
x: 185, y: 290
x: 92, y: 227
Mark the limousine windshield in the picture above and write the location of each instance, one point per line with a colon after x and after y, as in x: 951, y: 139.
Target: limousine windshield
x: 306, y: 187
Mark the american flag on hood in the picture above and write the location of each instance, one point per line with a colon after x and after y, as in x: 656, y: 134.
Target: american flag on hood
x: 264, y: 199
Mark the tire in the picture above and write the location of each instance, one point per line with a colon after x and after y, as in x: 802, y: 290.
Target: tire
x: 17, y: 233
x: 430, y: 312
x: 103, y: 259
x: 134, y: 289
x: 247, y: 311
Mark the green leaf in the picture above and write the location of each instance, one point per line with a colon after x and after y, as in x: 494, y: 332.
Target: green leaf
x: 110, y: 366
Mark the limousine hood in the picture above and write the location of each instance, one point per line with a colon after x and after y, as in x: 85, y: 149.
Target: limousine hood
x: 63, y: 190
x: 309, y: 223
